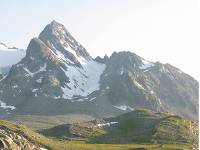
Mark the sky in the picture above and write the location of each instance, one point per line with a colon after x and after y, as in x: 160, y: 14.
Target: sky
x: 157, y: 30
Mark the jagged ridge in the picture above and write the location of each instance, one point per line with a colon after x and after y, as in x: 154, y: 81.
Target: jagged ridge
x: 58, y: 76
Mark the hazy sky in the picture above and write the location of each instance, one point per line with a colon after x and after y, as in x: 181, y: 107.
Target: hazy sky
x: 158, y: 30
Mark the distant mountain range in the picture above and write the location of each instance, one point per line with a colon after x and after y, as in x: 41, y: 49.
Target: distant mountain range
x: 58, y: 76
x: 8, y: 57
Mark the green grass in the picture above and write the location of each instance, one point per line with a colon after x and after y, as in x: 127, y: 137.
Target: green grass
x: 174, y: 128
x: 59, y: 144
x: 137, y: 127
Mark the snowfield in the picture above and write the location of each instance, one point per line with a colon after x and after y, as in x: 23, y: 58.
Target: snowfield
x: 82, y: 81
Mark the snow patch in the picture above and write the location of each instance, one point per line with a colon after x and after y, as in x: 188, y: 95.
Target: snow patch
x: 43, y: 148
x: 31, y: 58
x: 42, y: 69
x: 60, y: 55
x: 146, y: 64
x: 164, y: 70
x: 3, y: 77
x: 79, y: 100
x: 106, y: 124
x: 39, y: 80
x: 159, y: 101
x: 34, y: 90
x: 138, y: 85
x: 151, y: 92
x: 124, y: 107
x: 15, y: 86
x: 29, y: 73
x: 69, y: 49
x: 5, y: 106
x: 57, y: 97
x: 107, y: 87
x: 92, y: 99
x: 146, y: 70
x: 121, y: 71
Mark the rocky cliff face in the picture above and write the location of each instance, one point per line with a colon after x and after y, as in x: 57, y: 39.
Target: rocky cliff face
x: 58, y: 76
x: 132, y: 82
x: 16, y: 141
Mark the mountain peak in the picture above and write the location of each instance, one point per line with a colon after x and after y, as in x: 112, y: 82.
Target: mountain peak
x: 54, y: 29
x: 56, y: 66
x: 55, y: 24
x: 57, y: 28
x: 57, y: 38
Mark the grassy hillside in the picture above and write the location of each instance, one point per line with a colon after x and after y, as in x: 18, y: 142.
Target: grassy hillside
x: 58, y: 144
x: 140, y: 129
x: 139, y: 126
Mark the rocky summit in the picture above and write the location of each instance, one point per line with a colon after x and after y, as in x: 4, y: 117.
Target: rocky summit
x: 58, y: 76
